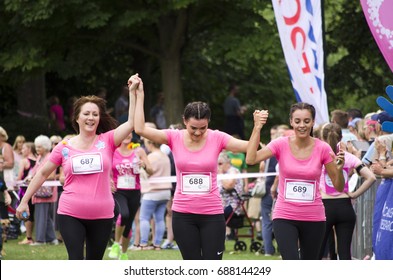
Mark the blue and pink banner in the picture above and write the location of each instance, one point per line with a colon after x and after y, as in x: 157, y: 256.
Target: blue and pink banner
x: 382, y: 236
x: 380, y: 21
x: 300, y: 27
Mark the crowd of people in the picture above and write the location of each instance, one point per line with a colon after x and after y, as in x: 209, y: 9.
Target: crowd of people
x: 104, y: 182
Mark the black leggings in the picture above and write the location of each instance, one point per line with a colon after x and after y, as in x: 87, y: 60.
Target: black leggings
x: 127, y: 203
x: 75, y: 231
x: 199, y: 237
x: 294, y: 235
x: 340, y: 214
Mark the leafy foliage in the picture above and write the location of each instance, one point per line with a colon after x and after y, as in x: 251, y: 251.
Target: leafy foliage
x: 356, y: 71
x: 188, y: 49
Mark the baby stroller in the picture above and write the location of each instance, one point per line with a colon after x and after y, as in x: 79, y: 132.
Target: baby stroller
x: 9, y: 223
x: 235, y: 222
x: 13, y: 230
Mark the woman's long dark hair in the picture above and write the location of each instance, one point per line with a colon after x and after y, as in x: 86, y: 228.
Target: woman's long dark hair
x: 198, y: 110
x: 303, y: 106
x: 107, y: 122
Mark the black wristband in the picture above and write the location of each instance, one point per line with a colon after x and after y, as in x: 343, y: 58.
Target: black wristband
x: 359, y: 167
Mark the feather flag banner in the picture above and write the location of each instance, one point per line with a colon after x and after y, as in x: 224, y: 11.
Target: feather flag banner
x: 299, y: 25
x: 379, y: 17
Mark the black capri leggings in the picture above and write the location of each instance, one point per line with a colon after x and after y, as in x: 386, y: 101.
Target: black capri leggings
x: 340, y: 214
x: 294, y: 235
x: 199, y: 237
x: 127, y: 204
x: 75, y: 231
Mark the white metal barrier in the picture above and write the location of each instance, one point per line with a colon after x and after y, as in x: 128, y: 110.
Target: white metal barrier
x: 362, y: 235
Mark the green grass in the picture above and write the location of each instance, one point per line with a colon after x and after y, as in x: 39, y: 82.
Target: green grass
x: 14, y: 251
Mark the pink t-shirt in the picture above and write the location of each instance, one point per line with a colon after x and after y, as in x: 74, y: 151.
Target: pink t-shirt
x: 123, y: 175
x: 196, y: 172
x: 326, y: 185
x: 87, y: 192
x: 59, y: 115
x: 299, y: 197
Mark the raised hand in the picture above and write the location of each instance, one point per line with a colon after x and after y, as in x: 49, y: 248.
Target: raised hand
x: 260, y: 117
x: 139, y: 89
x: 339, y: 158
x: 133, y: 82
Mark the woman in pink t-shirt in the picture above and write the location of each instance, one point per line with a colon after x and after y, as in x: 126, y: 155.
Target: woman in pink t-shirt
x: 85, y: 212
x: 299, y: 215
x: 127, y: 193
x: 338, y: 205
x: 56, y: 114
x: 198, y: 218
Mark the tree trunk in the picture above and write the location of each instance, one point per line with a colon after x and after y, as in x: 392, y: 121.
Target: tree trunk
x: 31, y: 97
x: 172, y: 30
x: 172, y: 88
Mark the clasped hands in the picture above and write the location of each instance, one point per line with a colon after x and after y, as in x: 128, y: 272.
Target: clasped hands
x: 135, y: 83
x: 260, y: 117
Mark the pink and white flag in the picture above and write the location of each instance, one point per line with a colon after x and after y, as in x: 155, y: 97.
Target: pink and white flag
x: 299, y: 24
x: 380, y: 21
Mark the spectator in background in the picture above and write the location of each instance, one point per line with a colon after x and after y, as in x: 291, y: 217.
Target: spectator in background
x: 127, y: 194
x: 5, y: 200
x: 383, y: 136
x: 25, y: 166
x: 230, y: 191
x: 56, y: 114
x: 44, y: 224
x: 70, y: 112
x: 369, y: 129
x: 234, y: 122
x: 354, y: 113
x: 157, y: 112
x: 238, y: 160
x: 56, y: 139
x: 282, y: 130
x: 338, y: 205
x: 17, y: 147
x: 341, y: 118
x: 121, y: 106
x: 267, y: 200
x: 356, y: 126
x: 382, y: 236
x: 169, y: 241
x: 155, y: 197
x: 8, y: 159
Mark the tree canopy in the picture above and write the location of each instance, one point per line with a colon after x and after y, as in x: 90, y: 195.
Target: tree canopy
x: 187, y: 49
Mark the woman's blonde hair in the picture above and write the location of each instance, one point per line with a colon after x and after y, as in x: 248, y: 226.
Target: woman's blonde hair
x: 17, y: 139
x: 3, y: 134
